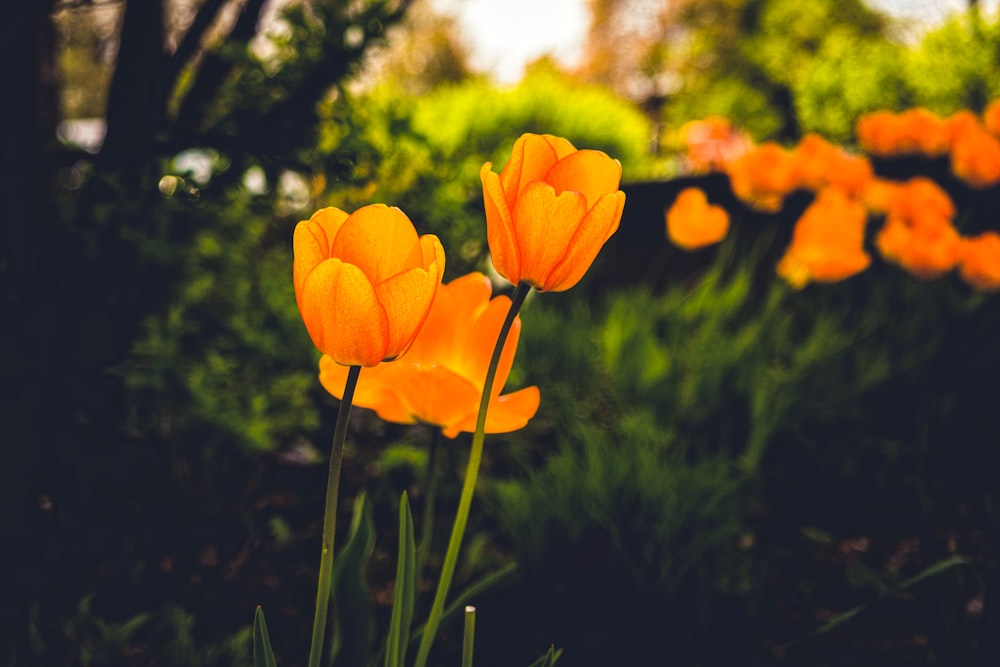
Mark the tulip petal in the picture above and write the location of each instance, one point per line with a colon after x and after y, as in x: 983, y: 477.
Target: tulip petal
x: 343, y: 315
x: 505, y: 414
x: 439, y: 395
x: 545, y: 225
x: 374, y: 390
x: 500, y: 232
x: 561, y: 146
x: 482, y: 339
x: 530, y: 159
x: 380, y: 240
x: 311, y: 243
x: 591, y: 173
x: 440, y: 340
x: 594, y: 231
x: 407, y: 298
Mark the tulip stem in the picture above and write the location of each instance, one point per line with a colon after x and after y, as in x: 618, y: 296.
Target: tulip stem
x: 330, y: 518
x: 469, y: 486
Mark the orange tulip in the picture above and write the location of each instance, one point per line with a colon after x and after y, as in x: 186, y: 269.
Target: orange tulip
x: 975, y: 158
x: 364, y: 282
x: 926, y: 251
x: 991, y: 118
x: 821, y: 163
x: 712, y: 143
x: 440, y: 380
x: 762, y: 176
x: 550, y: 210
x: 879, y: 195
x: 828, y: 241
x: 979, y: 261
x: 920, y: 202
x: 878, y: 132
x: 914, y: 131
x: 693, y: 223
x: 925, y: 132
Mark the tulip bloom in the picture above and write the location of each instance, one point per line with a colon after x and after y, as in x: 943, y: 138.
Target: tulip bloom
x: 693, y: 223
x: 712, y: 143
x: 979, y: 261
x: 828, y: 241
x: 926, y: 251
x: 550, y: 210
x: 975, y: 158
x: 915, y: 131
x: 763, y: 176
x: 821, y: 164
x: 991, y: 118
x: 440, y: 380
x: 364, y: 282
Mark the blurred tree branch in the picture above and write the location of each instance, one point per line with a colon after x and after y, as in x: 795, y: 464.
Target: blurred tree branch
x: 214, y: 69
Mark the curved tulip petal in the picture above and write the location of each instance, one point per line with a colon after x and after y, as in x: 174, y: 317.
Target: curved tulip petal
x: 441, y: 340
x: 561, y: 146
x: 506, y: 413
x: 486, y: 327
x: 311, y: 244
x: 545, y: 223
x: 530, y: 159
x: 591, y: 173
x: 500, y: 232
x: 374, y: 390
x: 407, y: 299
x: 380, y: 240
x: 435, y: 394
x: 432, y: 255
x: 343, y: 315
x: 594, y: 231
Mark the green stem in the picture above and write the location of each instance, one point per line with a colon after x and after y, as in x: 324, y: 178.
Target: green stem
x: 468, y: 639
x: 330, y: 518
x: 430, y: 491
x: 469, y: 486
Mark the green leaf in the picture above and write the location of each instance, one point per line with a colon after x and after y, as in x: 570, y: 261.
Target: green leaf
x: 548, y: 659
x: 353, y: 611
x: 263, y: 656
x: 404, y: 598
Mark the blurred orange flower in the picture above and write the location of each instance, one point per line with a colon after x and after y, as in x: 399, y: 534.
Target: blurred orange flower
x: 918, y: 233
x: 975, y: 158
x: 828, y: 241
x: 712, y: 143
x: 920, y: 202
x: 924, y: 132
x: 991, y: 117
x: 878, y: 133
x: 961, y: 123
x: 820, y: 163
x: 979, y: 261
x: 914, y: 131
x: 693, y: 223
x: 440, y: 380
x: 364, y: 282
x: 550, y: 210
x: 926, y: 251
x: 879, y: 194
x: 763, y: 176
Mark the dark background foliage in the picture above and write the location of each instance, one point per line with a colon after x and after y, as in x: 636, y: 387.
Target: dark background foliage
x: 720, y: 465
